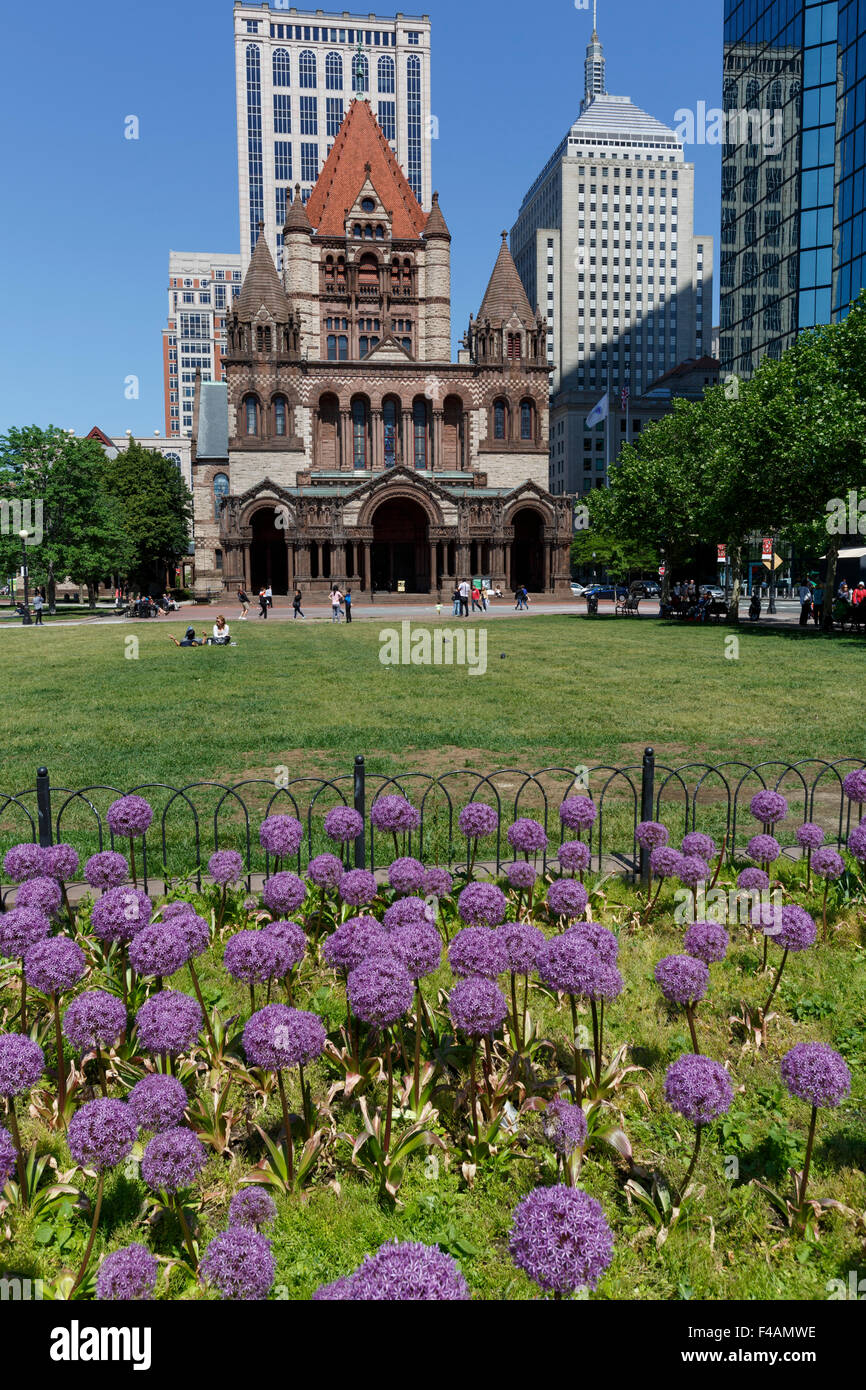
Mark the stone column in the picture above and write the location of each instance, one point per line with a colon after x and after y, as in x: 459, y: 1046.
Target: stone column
x: 345, y: 441
x: 290, y: 551
x: 338, y: 562
x: 438, y: 420
x: 378, y: 446
x: 545, y: 566
x: 408, y: 440
x: 433, y: 566
x: 365, y: 565
x: 304, y: 560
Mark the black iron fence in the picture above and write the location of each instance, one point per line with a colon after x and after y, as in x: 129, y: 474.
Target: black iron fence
x: 192, y: 821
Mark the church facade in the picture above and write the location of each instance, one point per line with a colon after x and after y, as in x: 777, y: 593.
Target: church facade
x: 355, y: 451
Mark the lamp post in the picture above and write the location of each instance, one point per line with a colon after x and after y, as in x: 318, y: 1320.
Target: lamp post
x: 772, y: 604
x: 25, y: 617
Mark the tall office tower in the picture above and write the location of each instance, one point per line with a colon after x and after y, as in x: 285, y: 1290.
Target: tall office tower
x: 201, y: 287
x: 604, y: 244
x: 296, y: 73
x: 793, y: 247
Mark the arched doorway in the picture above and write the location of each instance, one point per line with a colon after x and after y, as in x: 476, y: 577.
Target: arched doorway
x: 527, y: 551
x: 269, y: 556
x: 401, y: 547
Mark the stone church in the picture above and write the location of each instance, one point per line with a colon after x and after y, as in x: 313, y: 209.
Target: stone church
x: 354, y: 449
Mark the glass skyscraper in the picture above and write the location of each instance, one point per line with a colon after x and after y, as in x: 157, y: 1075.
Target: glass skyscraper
x: 792, y: 242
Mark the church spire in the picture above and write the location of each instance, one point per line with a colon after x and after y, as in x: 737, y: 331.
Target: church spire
x: 593, y: 67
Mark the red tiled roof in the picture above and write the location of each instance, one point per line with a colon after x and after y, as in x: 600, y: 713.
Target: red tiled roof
x: 361, y: 142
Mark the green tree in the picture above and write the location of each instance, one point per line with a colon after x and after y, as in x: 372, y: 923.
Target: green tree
x: 157, y: 511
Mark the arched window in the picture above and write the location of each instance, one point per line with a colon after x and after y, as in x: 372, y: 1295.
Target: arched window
x: 527, y: 430
x: 419, y: 432
x: 361, y: 71
x: 263, y: 339
x: 175, y: 459
x: 387, y: 78
x: 389, y: 420
x: 334, y: 72
x: 368, y: 232
x: 282, y: 68
x: 359, y: 434
x: 407, y: 344
x: 251, y: 414
x: 753, y: 92
x: 281, y: 415
x: 220, y: 490
x: 500, y: 419
x: 332, y: 347
x: 513, y: 347
x: 368, y: 270
x: 380, y: 233
x: 363, y: 346
x: 307, y: 68
x: 343, y: 345
x: 357, y: 231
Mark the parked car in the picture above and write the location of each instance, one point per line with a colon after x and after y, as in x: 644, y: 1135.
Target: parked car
x: 713, y: 590
x: 606, y: 591
x: 644, y: 588
x: 578, y: 589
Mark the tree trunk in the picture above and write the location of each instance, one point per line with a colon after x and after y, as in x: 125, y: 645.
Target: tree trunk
x: 735, y: 561
x: 830, y: 582
x: 91, y: 594
x: 52, y: 588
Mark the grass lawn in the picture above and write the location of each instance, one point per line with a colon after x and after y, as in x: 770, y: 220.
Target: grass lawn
x: 557, y: 689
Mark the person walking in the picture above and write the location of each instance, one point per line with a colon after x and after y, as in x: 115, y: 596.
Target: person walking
x: 347, y: 603
x: 336, y: 599
x: 818, y: 604
x: 804, y: 593
x: 263, y: 603
x: 269, y: 595
x: 476, y: 599
x: 296, y: 605
x: 464, y: 598
x: 38, y: 603
x: 244, y: 601
x: 455, y: 603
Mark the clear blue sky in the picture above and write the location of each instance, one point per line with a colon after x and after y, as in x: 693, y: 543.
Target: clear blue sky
x: 90, y: 216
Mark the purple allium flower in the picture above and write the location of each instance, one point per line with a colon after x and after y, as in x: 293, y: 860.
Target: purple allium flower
x: 418, y: 946
x: 478, y: 951
x: 682, y: 979
x: 22, y: 1063
x: 159, y: 949
x: 158, y: 1103
x: 798, y: 932
x: 704, y: 846
x: 707, y: 941
x: 393, y: 814
x: 477, y: 1007
x: 43, y: 894
x: 405, y: 910
x: 693, y: 871
x: 527, y: 836
x: 20, y: 929
x: 574, y: 855
x: 406, y: 1272
x: 477, y: 819
x: 407, y: 876
x: 826, y: 863
x: 809, y: 835
x: 380, y: 990
x: 578, y: 812
x: 343, y: 824
x: 169, y: 1022
x: 22, y: 862
x: 698, y: 1088
x: 120, y: 914
x: 567, y: 898
x: 60, y: 862
x: 281, y: 836
x: 569, y: 964
x: 753, y: 880
x: 226, y: 866
x: 252, y: 1207
x: 665, y: 861
x: 768, y: 807
x: 278, y: 1037
x: 173, y: 1160
x: 8, y: 1157
x: 55, y: 965
x: 252, y: 957
x: 651, y: 834
x: 325, y: 871
x: 561, y: 1239
x: 283, y: 893
x: 355, y: 941
x: 358, y: 887
x: 291, y: 944
x: 521, y: 874
x: 854, y: 785
x: 815, y: 1073
x: 522, y: 943
x: 767, y: 916
x: 129, y: 816
x: 601, y: 939
x: 101, y: 1134
x: 239, y: 1263
x: 108, y: 869
x: 94, y: 1019
x: 482, y: 905
x: 438, y: 883
x: 857, y: 843
x: 194, y: 930
x: 564, y: 1127
x: 127, y: 1275
x: 765, y: 848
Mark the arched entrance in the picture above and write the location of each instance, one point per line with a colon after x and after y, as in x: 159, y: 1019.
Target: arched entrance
x: 527, y: 551
x: 269, y: 556
x: 401, y: 547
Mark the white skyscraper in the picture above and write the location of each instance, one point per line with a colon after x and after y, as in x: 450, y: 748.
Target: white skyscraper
x: 296, y: 73
x: 604, y: 245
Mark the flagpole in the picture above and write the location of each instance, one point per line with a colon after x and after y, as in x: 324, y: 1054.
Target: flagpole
x: 607, y: 433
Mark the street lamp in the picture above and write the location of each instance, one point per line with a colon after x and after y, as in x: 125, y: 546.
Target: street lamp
x: 25, y: 617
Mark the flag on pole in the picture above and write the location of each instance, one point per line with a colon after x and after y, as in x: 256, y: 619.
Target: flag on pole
x: 624, y: 395
x: 598, y: 413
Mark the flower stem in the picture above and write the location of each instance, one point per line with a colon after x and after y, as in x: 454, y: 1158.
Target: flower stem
x: 824, y: 909
x: 694, y: 1163
x: 304, y: 1101
x: 132, y: 862
x: 416, y: 1085
x: 61, y: 1060
x: 390, y: 1103
x: 95, y: 1222
x: 690, y: 1015
x: 721, y: 861
x: 596, y: 1038
x: 19, y: 1153
x: 23, y: 1000
x: 198, y: 994
x: 514, y: 1012
x: 810, y: 1143
x: 184, y: 1226
x: 474, y: 1085
x: 776, y: 982
x: 290, y: 1163
x: 101, y: 1068
x: 578, y: 1067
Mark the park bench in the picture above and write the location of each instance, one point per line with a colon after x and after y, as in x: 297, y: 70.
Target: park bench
x: 628, y: 607
x: 717, y: 611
